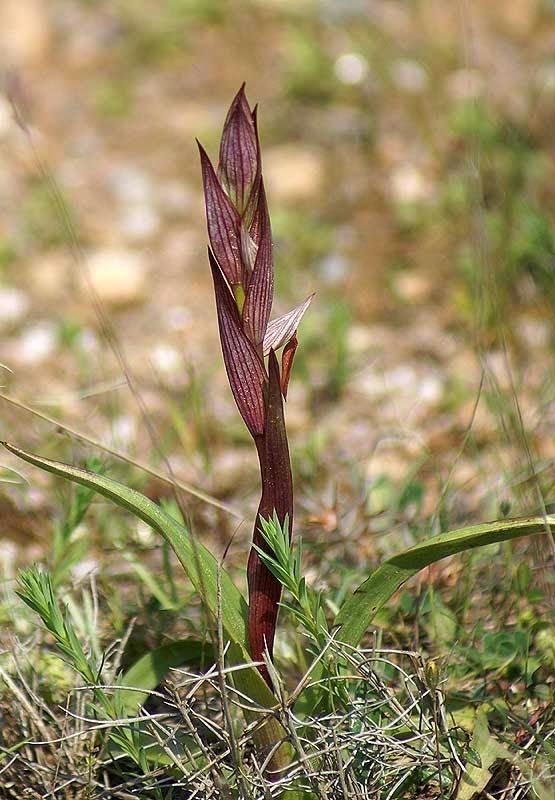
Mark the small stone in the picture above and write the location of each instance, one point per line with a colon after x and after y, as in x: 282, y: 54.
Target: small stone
x: 8, y: 557
x: 87, y: 341
x: 190, y: 119
x: 24, y: 31
x: 176, y: 198
x: 535, y: 333
x: 144, y: 535
x: 119, y: 277
x: 497, y: 369
x: 297, y: 412
x: 14, y: 305
x: 6, y: 116
x: 394, y: 19
x: 178, y: 318
x: 334, y: 268
x: 139, y: 222
x: 409, y: 76
x: 414, y: 286
x: 519, y: 17
x: 84, y: 569
x: 359, y: 338
x: 430, y: 389
x: 36, y: 344
x: 408, y: 386
x: 465, y: 84
x: 124, y: 431
x: 231, y: 467
x: 408, y: 184
x: 130, y: 184
x: 166, y: 359
x: 50, y: 273
x: 134, y: 190
x: 293, y: 172
x: 351, y: 68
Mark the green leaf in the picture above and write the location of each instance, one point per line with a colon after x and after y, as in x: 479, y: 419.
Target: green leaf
x: 361, y: 607
x: 473, y: 758
x: 485, y: 751
x: 151, y: 669
x: 198, y: 562
x: 205, y: 573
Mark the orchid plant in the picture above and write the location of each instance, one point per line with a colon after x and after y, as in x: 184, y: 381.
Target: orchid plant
x: 241, y: 260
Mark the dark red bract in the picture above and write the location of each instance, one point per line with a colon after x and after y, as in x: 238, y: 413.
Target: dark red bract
x: 240, y: 256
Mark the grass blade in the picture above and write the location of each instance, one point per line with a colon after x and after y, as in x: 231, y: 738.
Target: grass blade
x: 360, y: 609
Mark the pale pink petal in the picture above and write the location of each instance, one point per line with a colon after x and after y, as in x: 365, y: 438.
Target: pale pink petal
x: 281, y: 329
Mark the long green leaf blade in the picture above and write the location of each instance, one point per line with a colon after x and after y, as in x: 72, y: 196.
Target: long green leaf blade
x: 359, y: 610
x: 198, y: 562
x: 204, y: 573
x: 153, y: 667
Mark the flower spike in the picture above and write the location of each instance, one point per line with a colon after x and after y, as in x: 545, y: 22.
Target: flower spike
x: 239, y: 151
x: 241, y: 261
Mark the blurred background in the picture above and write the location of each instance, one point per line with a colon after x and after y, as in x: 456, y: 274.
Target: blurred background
x: 408, y: 154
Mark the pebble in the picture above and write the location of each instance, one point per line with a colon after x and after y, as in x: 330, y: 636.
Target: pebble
x: 464, y: 84
x: 535, y: 333
x: 130, y: 184
x: 519, y: 17
x: 414, y: 286
x: 139, y: 221
x: 14, y: 305
x: 25, y: 31
x: 176, y: 198
x: 406, y: 385
x: 123, y: 431
x: 166, y: 359
x: 351, y: 68
x: 498, y: 369
x: 293, y: 172
x: 334, y: 268
x: 231, y: 467
x: 138, y: 218
x: 88, y: 342
x: 50, y: 273
x: 36, y: 344
x: 359, y: 338
x: 6, y: 116
x: 119, y: 277
x: 408, y: 184
x: 394, y: 19
x: 429, y: 335
x: 178, y: 318
x: 409, y: 76
x: 84, y: 569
